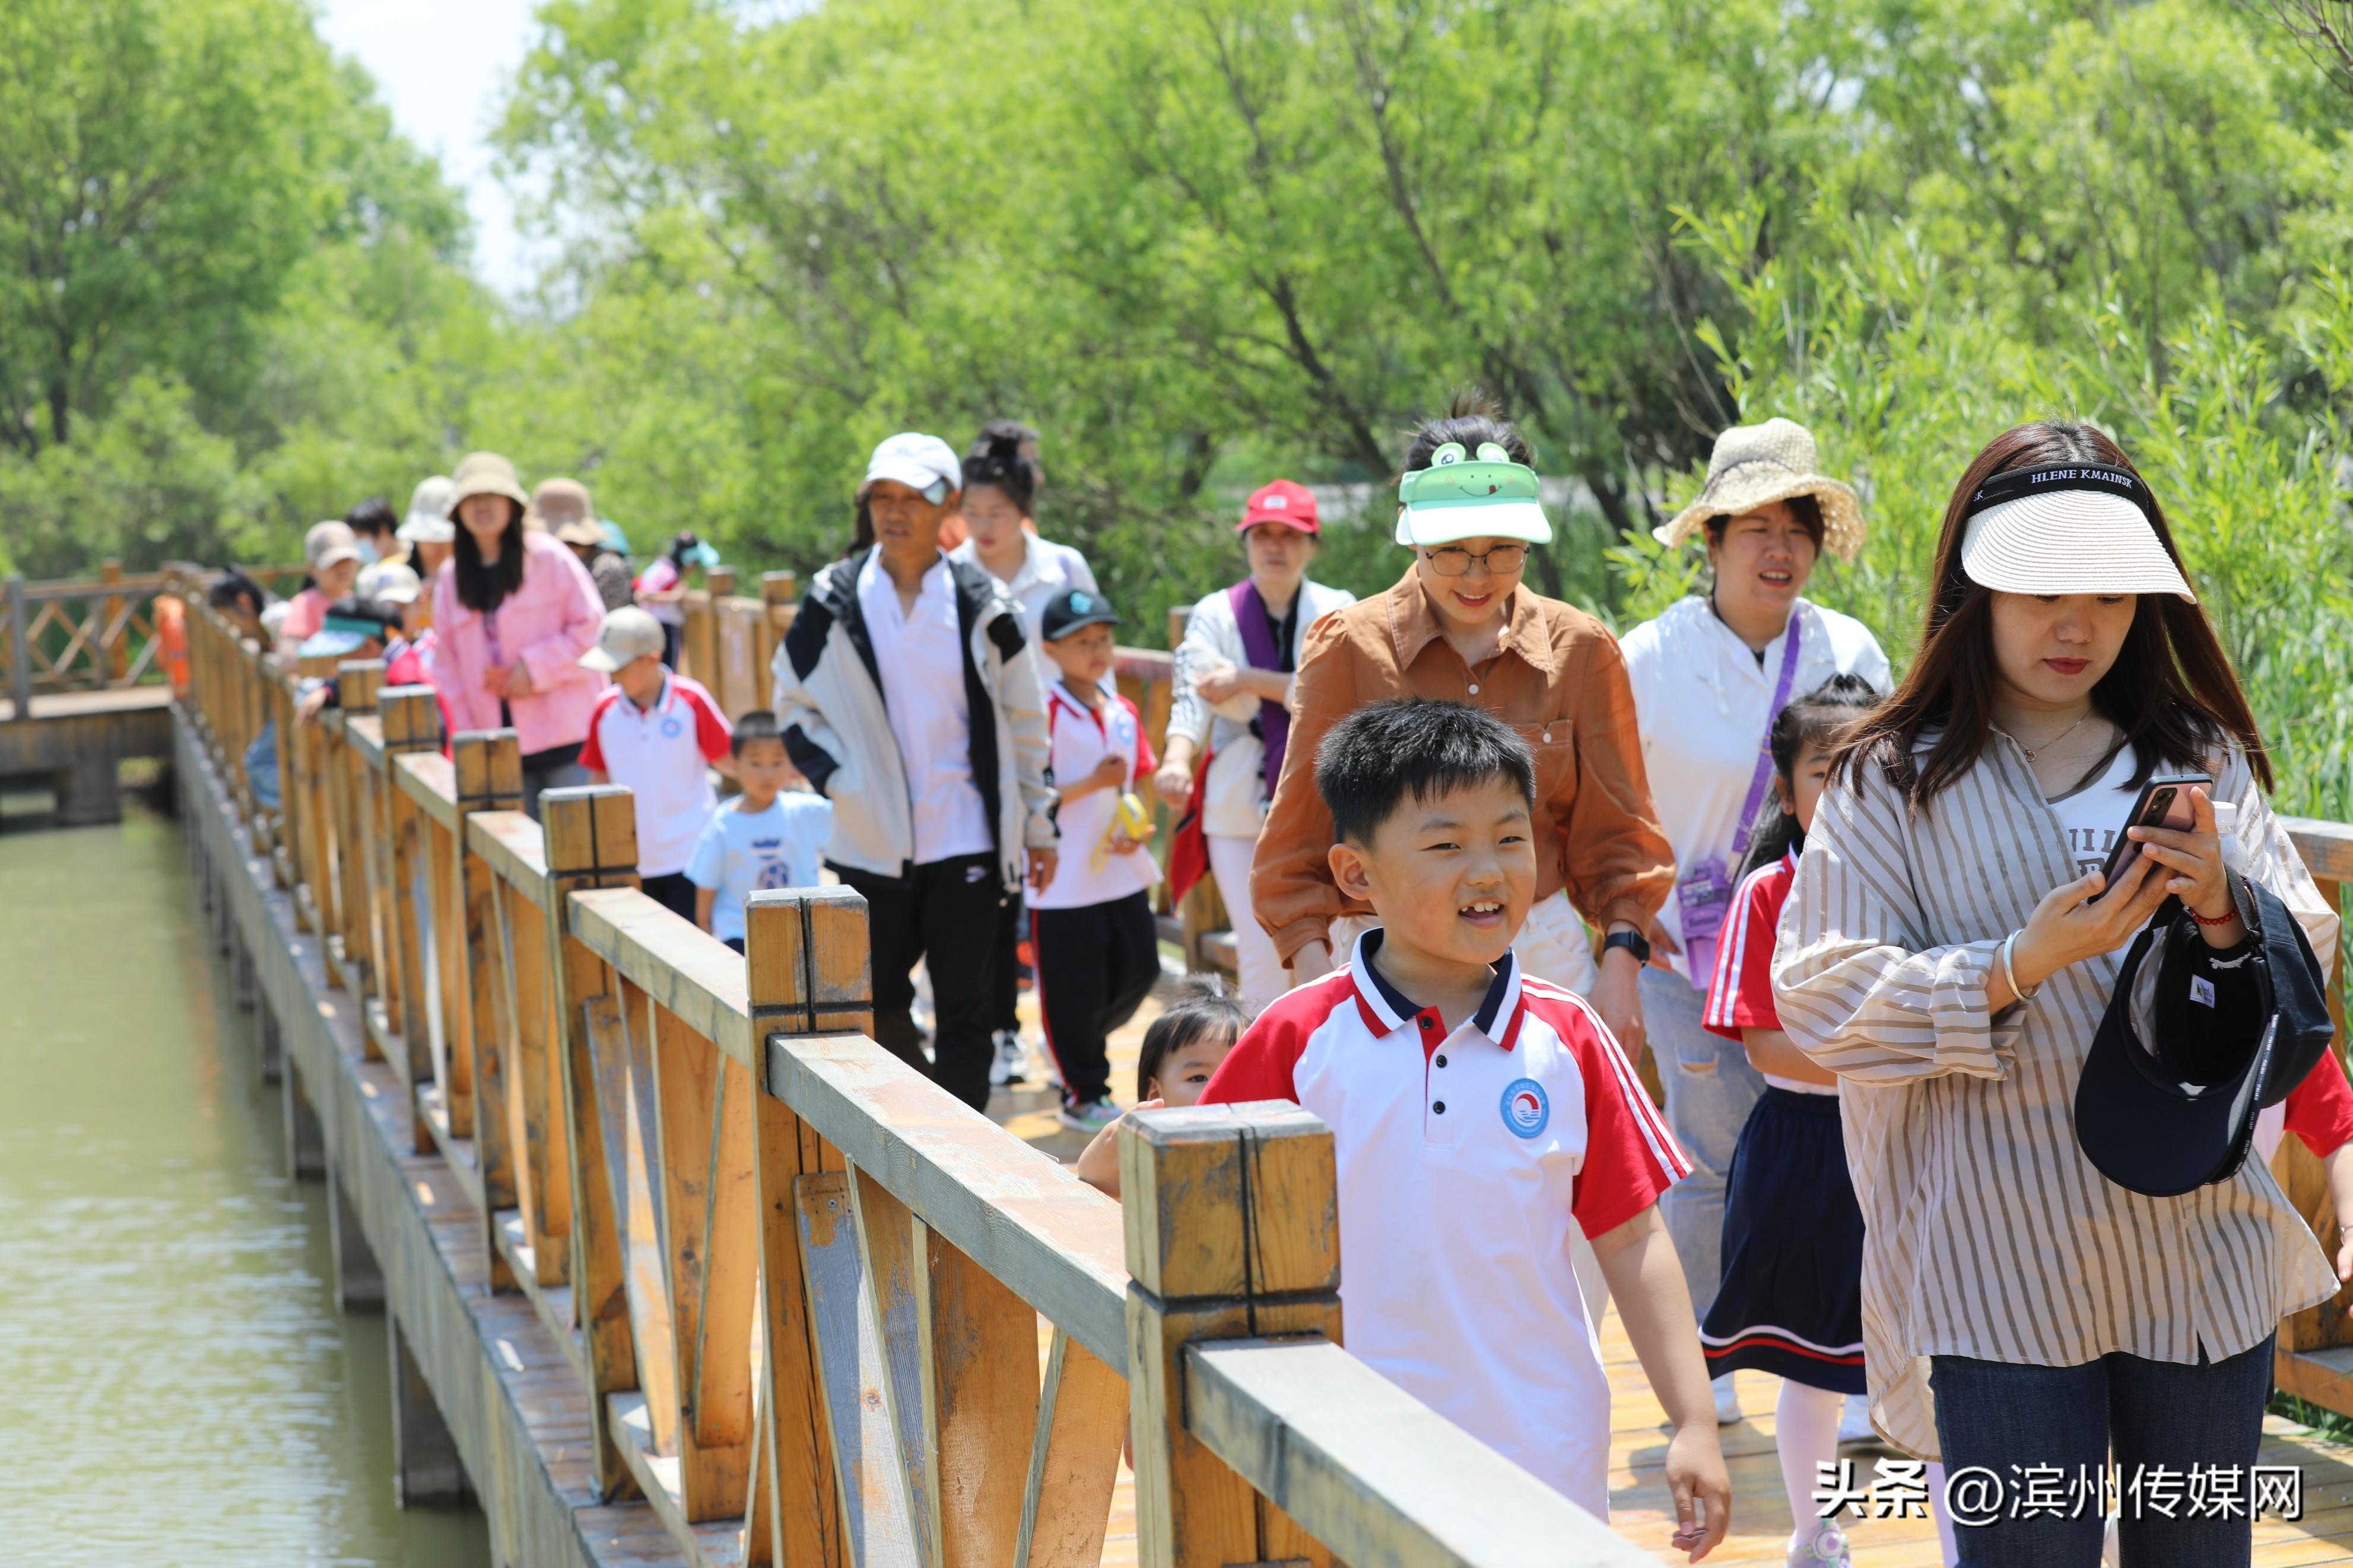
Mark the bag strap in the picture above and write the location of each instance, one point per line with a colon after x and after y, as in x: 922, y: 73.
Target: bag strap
x: 1764, y: 772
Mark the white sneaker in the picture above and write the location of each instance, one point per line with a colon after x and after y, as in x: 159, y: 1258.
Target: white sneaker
x: 1819, y: 1543
x: 1092, y: 1117
x: 1727, y: 1401
x: 1011, y: 1063
x: 1854, y: 1420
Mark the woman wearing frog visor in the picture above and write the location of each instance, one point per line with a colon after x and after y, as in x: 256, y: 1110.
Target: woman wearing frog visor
x: 1462, y: 625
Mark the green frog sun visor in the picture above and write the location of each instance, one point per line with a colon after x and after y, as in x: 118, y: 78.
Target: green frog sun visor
x: 1461, y: 496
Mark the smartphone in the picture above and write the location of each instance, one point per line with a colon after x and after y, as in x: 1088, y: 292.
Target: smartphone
x: 2162, y: 802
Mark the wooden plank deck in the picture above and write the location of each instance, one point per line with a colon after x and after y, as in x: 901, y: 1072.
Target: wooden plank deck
x: 1638, y: 1505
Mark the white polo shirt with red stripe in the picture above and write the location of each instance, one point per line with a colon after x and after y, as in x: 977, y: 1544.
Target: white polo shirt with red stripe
x: 1464, y: 1159
x: 1081, y: 737
x: 661, y: 753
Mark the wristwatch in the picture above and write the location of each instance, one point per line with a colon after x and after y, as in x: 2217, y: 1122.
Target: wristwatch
x: 1633, y: 941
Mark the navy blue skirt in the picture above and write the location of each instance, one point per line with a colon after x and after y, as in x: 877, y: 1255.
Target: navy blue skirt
x: 1791, y: 1300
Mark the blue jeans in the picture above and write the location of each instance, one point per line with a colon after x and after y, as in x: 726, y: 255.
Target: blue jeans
x: 2148, y: 1413
x: 1710, y: 1089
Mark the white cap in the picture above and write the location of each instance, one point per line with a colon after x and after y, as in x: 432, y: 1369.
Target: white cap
x: 428, y: 513
x: 2068, y: 529
x: 328, y: 542
x: 629, y: 634
x: 394, y: 582
x: 918, y: 461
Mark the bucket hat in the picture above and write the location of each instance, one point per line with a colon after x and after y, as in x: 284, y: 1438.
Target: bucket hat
x: 485, y: 474
x: 1757, y: 464
x: 428, y: 513
x: 2068, y: 528
x: 555, y: 503
x: 2178, y: 1113
x: 390, y: 582
x: 328, y: 542
x: 1467, y: 495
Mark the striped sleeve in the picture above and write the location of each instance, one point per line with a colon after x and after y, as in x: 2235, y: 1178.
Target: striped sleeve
x: 1629, y: 1156
x: 1858, y: 987
x: 1741, y: 994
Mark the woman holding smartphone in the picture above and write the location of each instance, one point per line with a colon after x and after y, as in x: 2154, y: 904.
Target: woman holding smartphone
x: 1948, y: 950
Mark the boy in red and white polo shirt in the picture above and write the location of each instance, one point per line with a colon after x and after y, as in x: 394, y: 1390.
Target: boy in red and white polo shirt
x: 1478, y: 1113
x: 658, y: 733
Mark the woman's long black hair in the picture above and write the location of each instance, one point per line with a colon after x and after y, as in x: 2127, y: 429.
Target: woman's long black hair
x: 2172, y: 692
x: 484, y: 588
x: 1814, y: 719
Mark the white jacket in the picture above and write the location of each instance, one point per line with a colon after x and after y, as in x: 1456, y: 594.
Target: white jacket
x: 829, y: 703
x: 1047, y: 571
x: 1233, y: 797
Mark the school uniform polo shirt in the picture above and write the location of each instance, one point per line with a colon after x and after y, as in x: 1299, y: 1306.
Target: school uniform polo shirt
x: 1081, y: 737
x: 661, y: 752
x: 1464, y: 1158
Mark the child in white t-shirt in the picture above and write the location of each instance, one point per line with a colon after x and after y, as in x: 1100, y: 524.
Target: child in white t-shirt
x: 768, y: 837
x: 1096, y: 946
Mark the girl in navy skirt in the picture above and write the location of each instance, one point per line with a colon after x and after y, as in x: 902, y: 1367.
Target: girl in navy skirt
x: 1791, y: 1298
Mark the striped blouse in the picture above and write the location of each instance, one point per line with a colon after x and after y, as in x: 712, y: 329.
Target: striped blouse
x: 1988, y: 1234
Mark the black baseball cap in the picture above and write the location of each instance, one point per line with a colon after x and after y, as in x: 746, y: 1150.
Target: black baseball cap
x: 2178, y: 1114
x: 1066, y: 612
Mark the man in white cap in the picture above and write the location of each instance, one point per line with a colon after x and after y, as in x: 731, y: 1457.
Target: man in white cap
x: 909, y: 695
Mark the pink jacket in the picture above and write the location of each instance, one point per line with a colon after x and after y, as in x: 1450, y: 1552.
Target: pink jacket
x: 548, y: 624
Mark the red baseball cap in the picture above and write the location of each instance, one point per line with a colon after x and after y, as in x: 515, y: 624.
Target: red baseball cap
x: 1283, y: 501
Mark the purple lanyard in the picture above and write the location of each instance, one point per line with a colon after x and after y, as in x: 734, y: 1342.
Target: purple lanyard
x: 1258, y: 646
x: 1765, y: 750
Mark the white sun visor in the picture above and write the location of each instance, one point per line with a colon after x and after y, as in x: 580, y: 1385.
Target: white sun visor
x: 2078, y: 528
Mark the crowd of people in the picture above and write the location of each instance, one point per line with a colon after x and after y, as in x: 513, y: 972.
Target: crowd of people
x: 1897, y: 950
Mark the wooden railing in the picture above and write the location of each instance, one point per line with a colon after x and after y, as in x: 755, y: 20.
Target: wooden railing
x: 77, y: 636
x: 802, y: 1288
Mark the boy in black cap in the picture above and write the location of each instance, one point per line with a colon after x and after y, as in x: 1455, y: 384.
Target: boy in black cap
x: 1098, y: 951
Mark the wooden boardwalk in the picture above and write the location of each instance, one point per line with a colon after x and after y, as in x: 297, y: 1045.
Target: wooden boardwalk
x: 1638, y: 1505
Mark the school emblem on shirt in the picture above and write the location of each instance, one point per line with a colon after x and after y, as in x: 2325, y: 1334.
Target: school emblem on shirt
x: 670, y: 729
x: 1527, y: 1108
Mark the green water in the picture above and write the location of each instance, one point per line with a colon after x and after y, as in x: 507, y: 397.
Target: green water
x: 176, y: 1386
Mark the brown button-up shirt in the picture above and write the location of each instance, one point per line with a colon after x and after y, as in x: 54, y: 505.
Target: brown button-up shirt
x: 1557, y: 679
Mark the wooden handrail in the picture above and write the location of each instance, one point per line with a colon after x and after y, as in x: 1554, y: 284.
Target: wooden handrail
x: 800, y: 1284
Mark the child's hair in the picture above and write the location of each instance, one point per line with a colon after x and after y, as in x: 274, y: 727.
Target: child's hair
x: 996, y: 459
x: 687, y: 539
x: 1416, y: 746
x: 1200, y: 1012
x: 1814, y: 719
x: 759, y: 725
x: 373, y: 515
x: 1470, y: 418
x: 233, y: 585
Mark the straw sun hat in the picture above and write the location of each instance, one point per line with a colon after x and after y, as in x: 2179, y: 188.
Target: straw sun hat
x: 1756, y: 463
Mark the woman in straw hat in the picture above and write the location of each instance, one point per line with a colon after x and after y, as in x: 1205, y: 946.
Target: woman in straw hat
x: 1709, y: 676
x: 514, y: 611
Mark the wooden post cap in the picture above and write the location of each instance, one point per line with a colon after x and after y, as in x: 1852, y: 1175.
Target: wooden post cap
x: 808, y: 961
x: 1230, y: 1201
x: 591, y: 836
x: 411, y: 717
x: 315, y: 666
x: 720, y: 581
x: 489, y: 766
x: 779, y: 587
x: 358, y: 681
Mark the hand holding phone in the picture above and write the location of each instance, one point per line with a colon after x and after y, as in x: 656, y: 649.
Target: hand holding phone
x: 2163, y: 803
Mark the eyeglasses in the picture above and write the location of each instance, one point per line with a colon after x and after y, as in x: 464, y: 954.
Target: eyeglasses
x: 1453, y: 560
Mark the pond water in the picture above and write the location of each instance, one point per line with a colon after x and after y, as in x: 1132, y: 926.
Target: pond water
x: 179, y: 1387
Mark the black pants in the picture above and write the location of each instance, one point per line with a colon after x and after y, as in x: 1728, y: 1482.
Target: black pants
x: 945, y: 915
x: 672, y: 892
x: 1004, y: 997
x: 1095, y: 965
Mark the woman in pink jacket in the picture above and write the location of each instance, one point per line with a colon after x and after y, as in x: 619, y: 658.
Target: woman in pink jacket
x: 514, y: 611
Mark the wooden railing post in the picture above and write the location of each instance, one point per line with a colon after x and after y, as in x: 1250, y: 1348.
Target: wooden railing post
x: 358, y: 681
x: 20, y: 651
x: 489, y: 768
x: 592, y: 842
x: 113, y: 654
x: 779, y: 596
x: 790, y: 937
x: 1233, y: 1232
x: 411, y: 716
